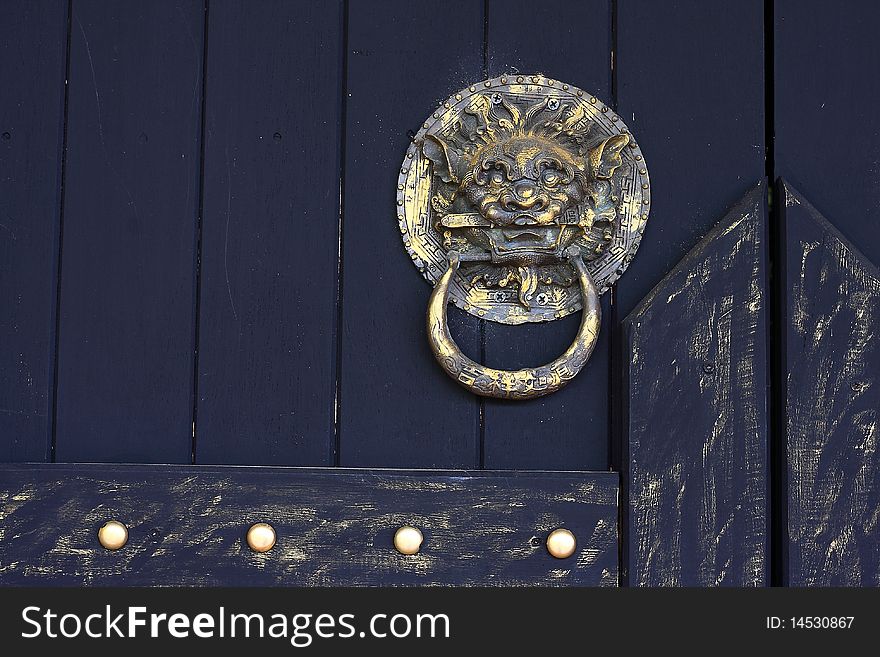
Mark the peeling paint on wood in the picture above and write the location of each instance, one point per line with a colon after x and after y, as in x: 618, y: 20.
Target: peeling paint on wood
x: 697, y: 417
x: 832, y: 403
x: 187, y: 526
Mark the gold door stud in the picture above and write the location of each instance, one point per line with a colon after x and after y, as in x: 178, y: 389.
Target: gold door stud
x: 561, y: 543
x: 261, y: 537
x: 113, y: 535
x: 408, y: 540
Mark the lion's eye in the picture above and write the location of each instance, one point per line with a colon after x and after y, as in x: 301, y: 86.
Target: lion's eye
x: 496, y: 176
x: 551, y: 177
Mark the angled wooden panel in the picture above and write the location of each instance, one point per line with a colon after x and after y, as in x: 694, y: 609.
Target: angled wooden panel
x: 397, y: 407
x: 334, y: 527
x: 33, y: 56
x: 568, y: 429
x: 832, y: 403
x: 270, y: 234
x: 691, y: 88
x: 128, y: 254
x: 697, y: 468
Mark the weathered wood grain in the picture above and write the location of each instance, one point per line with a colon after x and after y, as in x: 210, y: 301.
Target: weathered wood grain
x: 824, y: 90
x: 131, y: 197
x: 568, y: 429
x: 270, y: 234
x: 33, y: 56
x: 697, y: 470
x: 335, y: 527
x: 832, y: 403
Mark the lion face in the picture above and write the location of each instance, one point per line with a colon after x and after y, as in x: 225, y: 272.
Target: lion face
x: 521, y: 187
x: 523, y: 183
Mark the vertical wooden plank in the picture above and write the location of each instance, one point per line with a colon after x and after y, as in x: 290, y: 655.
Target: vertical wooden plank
x: 697, y: 415
x: 691, y: 88
x: 827, y: 133
x: 832, y: 401
x: 397, y: 407
x: 33, y: 56
x: 827, y: 145
x: 569, y: 429
x: 131, y: 197
x: 267, y: 372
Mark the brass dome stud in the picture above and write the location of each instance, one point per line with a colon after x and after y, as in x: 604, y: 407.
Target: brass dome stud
x: 113, y: 535
x: 408, y: 540
x: 561, y: 543
x: 261, y: 537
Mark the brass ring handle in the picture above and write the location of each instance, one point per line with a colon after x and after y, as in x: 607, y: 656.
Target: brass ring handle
x: 529, y: 382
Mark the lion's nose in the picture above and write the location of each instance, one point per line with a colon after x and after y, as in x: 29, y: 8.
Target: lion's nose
x: 525, y: 196
x: 525, y: 189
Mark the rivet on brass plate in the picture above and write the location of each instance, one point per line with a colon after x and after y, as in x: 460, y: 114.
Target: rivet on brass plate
x: 261, y: 537
x: 522, y: 203
x: 408, y: 540
x: 113, y: 535
x: 561, y: 543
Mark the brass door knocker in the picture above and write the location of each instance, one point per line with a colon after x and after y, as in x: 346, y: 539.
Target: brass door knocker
x: 523, y: 199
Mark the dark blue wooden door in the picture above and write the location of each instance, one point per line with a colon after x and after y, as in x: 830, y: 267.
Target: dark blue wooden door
x: 200, y: 266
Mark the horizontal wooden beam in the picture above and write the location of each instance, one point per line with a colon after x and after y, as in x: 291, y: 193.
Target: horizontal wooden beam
x: 187, y: 526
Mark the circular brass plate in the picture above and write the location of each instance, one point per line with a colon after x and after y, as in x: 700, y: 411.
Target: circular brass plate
x: 417, y: 213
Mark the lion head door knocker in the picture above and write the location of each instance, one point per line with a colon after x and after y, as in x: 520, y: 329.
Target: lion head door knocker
x: 522, y: 199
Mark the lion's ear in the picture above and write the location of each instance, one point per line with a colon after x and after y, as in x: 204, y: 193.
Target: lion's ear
x: 444, y: 162
x: 605, y: 158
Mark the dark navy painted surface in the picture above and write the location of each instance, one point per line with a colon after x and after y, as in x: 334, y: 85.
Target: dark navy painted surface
x: 270, y: 234
x: 231, y: 282
x: 832, y: 402
x: 397, y: 409
x: 334, y: 526
x: 690, y: 79
x: 826, y: 91
x: 286, y: 175
x: 690, y: 85
x: 697, y: 460
x: 131, y: 197
x: 33, y: 48
x: 826, y: 88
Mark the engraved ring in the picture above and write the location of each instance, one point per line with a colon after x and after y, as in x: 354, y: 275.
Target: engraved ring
x: 526, y: 383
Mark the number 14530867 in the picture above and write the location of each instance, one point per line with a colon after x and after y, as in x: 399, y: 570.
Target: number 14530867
x: 810, y: 622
